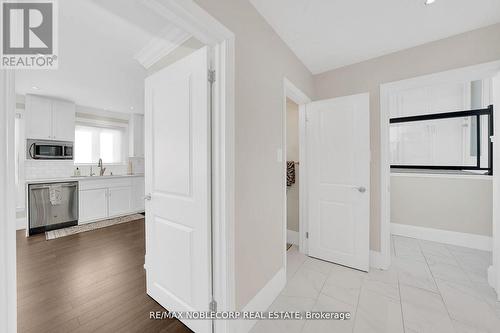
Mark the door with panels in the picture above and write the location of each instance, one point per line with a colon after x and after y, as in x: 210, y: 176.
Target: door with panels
x: 177, y: 177
x: 338, y: 180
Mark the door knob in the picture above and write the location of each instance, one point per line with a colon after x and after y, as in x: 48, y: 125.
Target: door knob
x: 361, y: 189
x: 148, y: 197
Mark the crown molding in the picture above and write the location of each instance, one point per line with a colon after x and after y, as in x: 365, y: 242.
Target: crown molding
x: 161, y: 46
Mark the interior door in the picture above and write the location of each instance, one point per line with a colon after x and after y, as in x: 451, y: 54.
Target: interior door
x: 338, y: 179
x: 177, y: 133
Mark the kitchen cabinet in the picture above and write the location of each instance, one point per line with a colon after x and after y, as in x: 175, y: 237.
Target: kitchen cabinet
x: 93, y: 205
x: 63, y: 120
x: 38, y: 118
x: 49, y: 119
x: 107, y: 198
x: 119, y: 200
x: 138, y: 194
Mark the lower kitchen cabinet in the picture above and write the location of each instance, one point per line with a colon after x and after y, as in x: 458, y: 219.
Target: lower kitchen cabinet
x: 107, y: 198
x: 93, y: 204
x: 119, y: 200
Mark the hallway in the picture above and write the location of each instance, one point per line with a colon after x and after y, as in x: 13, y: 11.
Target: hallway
x: 430, y: 287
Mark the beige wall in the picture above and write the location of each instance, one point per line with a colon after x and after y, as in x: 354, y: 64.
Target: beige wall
x: 292, y: 154
x: 467, y: 49
x: 262, y: 60
x: 453, y: 203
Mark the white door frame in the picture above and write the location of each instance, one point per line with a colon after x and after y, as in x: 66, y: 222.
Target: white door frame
x: 193, y: 19
x: 301, y: 99
x: 476, y: 72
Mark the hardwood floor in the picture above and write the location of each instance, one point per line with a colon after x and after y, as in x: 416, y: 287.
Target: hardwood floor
x: 89, y: 282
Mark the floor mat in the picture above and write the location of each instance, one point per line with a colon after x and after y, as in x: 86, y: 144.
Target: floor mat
x: 53, y: 234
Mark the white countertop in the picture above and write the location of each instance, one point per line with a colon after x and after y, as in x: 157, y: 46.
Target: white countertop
x: 78, y: 179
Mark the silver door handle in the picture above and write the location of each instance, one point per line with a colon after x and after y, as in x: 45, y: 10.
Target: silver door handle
x: 361, y: 189
x: 148, y: 197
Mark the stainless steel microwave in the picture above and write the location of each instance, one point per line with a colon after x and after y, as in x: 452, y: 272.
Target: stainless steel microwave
x: 49, y: 150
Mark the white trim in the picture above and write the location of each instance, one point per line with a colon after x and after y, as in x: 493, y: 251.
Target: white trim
x: 472, y: 241
x: 495, y: 99
x: 470, y: 73
x: 8, y: 289
x: 295, y: 94
x: 441, y: 175
x: 21, y: 223
x: 161, y: 46
x: 263, y: 300
x: 377, y: 260
x: 292, y: 237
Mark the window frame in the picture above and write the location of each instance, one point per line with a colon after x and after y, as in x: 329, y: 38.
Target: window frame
x: 457, y: 114
x: 124, y: 127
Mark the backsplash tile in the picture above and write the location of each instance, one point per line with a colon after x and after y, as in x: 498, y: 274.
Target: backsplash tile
x: 58, y: 169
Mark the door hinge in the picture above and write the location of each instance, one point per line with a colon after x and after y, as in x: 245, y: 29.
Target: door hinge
x: 307, y: 235
x: 212, y: 306
x: 211, y: 76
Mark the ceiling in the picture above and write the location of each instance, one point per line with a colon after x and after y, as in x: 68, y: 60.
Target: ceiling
x: 328, y: 34
x: 98, y: 40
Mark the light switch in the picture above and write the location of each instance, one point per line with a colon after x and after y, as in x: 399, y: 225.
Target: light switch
x: 279, y: 155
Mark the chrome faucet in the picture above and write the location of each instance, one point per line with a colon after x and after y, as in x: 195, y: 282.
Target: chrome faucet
x: 101, y: 169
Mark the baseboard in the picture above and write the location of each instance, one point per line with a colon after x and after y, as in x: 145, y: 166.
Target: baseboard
x: 377, y: 260
x: 264, y: 298
x: 492, y: 277
x: 21, y: 223
x: 472, y: 241
x: 292, y: 237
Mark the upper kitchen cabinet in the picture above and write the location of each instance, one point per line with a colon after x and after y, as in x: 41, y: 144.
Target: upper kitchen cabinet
x: 49, y: 119
x: 63, y: 120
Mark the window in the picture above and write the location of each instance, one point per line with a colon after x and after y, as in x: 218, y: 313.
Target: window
x: 444, y: 127
x: 94, y: 142
x: 443, y: 141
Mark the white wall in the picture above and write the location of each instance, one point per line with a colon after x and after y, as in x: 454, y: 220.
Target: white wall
x: 262, y: 60
x: 470, y: 48
x: 292, y: 154
x: 447, y: 202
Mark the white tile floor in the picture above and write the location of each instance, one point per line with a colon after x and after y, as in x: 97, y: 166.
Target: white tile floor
x: 430, y: 287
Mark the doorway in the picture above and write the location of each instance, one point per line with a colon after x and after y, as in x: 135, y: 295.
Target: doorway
x: 201, y: 25
x: 462, y: 92
x: 334, y: 172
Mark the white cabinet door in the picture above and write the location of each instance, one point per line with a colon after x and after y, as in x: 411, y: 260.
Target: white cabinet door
x: 119, y: 200
x: 138, y: 194
x: 338, y: 180
x: 93, y: 205
x: 178, y: 179
x: 63, y: 120
x: 38, y: 118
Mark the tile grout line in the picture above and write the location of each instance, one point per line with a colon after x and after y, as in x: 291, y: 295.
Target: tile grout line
x: 439, y: 291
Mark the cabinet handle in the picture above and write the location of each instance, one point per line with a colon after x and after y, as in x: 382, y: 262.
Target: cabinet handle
x: 148, y: 197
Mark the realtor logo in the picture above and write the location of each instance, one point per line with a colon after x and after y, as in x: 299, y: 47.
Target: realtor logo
x: 29, y: 38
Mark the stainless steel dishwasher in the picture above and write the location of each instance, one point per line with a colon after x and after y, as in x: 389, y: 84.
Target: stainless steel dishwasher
x: 47, y: 214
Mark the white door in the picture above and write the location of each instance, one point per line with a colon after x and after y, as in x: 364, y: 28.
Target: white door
x: 63, y: 120
x: 177, y: 178
x: 93, y: 205
x: 338, y: 177
x: 120, y: 200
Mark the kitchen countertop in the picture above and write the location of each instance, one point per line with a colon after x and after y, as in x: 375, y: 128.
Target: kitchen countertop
x: 78, y: 178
